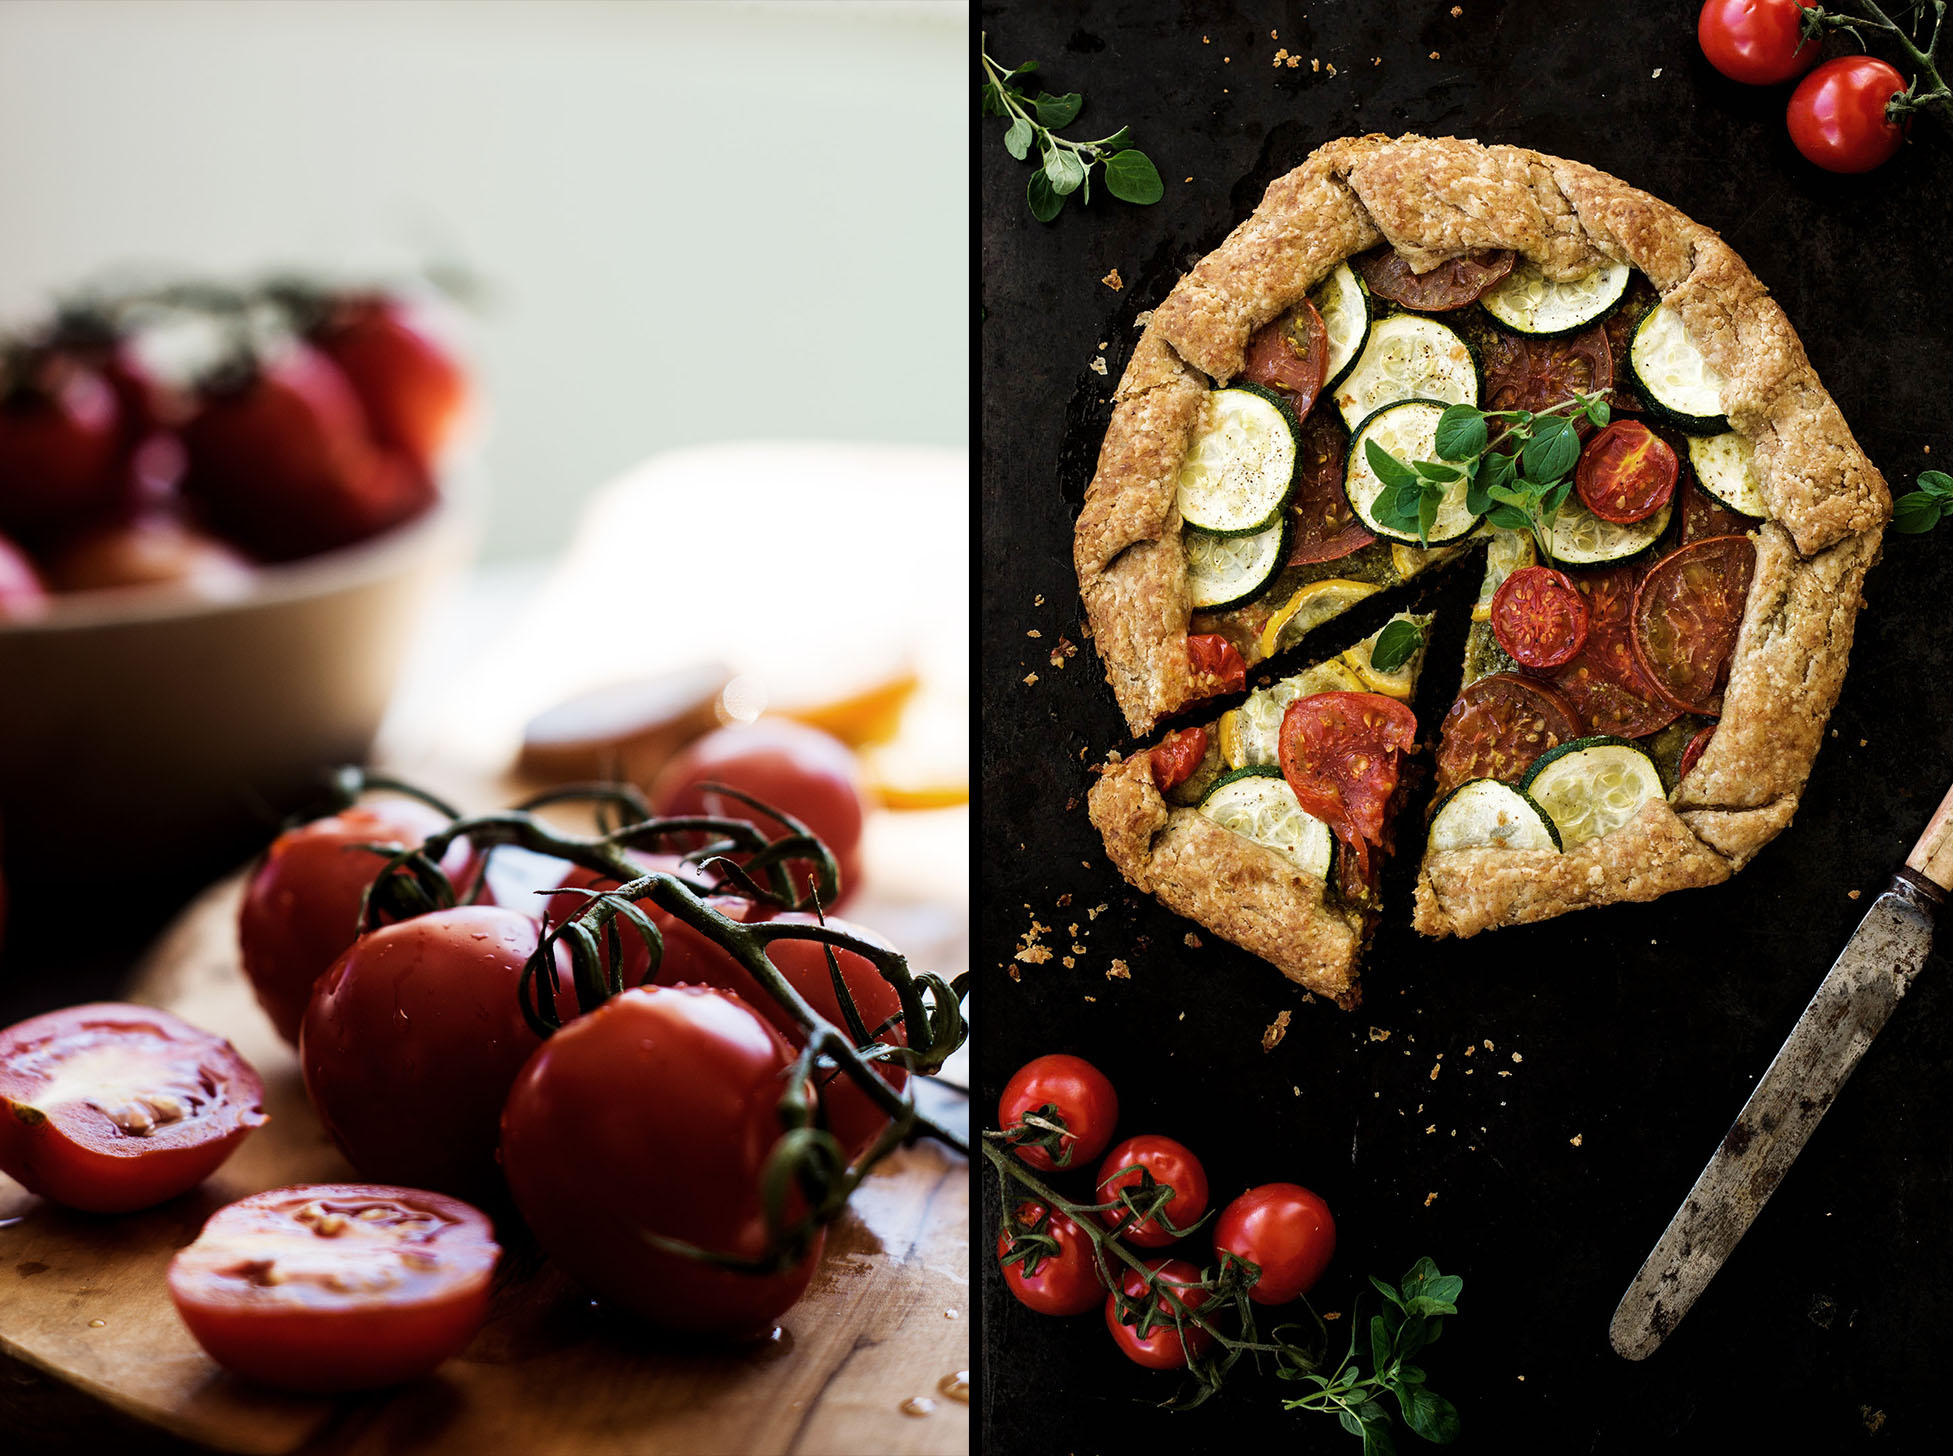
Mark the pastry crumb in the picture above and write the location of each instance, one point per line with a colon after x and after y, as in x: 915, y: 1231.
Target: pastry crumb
x: 1329, y: 67
x: 1277, y: 1029
x: 1038, y: 600
x: 1575, y: 1140
x: 1034, y: 955
x: 1145, y: 316
x: 1379, y: 1033
x: 1068, y: 963
x: 1851, y: 894
x: 1118, y: 971
x: 1113, y: 281
x: 1436, y: 1067
x: 1192, y: 941
x: 1429, y: 1199
x: 1097, y: 366
x: 1655, y: 75
x: 1456, y: 11
x: 1434, y: 55
x: 1517, y: 1058
x: 1030, y: 679
x: 1034, y: 633
x: 1315, y: 65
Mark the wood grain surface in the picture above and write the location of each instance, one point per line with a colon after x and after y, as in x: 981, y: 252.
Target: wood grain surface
x: 879, y: 1337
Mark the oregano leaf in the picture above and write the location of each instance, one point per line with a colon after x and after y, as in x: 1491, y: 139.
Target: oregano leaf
x: 1065, y: 171
x: 1461, y: 432
x: 1131, y: 176
x: 1057, y: 112
x: 1387, y: 467
x: 1045, y: 203
x: 1936, y: 483
x: 1017, y: 141
x: 1396, y: 644
x: 1916, y: 512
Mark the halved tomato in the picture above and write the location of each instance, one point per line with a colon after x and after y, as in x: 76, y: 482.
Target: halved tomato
x: 1216, y: 664
x: 1292, y: 355
x: 1322, y: 527
x: 1604, y: 682
x: 1342, y: 753
x: 1498, y: 726
x: 111, y: 1107
x: 1539, y: 617
x: 1176, y: 757
x: 1626, y: 473
x: 1452, y: 284
x: 1687, y: 612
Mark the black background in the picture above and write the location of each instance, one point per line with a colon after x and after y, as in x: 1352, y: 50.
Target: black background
x: 1641, y: 1027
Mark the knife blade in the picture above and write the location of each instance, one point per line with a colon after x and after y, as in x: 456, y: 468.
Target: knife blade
x: 1852, y: 1004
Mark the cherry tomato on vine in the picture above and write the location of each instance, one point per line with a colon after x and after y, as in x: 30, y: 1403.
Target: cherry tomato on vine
x: 109, y: 1108
x: 656, y: 1114
x: 150, y: 548
x: 1285, y: 1231
x: 637, y: 956
x: 1165, y: 1348
x: 336, y: 1286
x: 1757, y: 42
x: 412, y: 387
x: 1837, y: 114
x: 412, y: 1039
x: 796, y: 769
x: 22, y: 594
x: 1169, y: 1163
x: 60, y: 435
x: 1059, y: 1089
x: 301, y: 904
x: 1061, y: 1283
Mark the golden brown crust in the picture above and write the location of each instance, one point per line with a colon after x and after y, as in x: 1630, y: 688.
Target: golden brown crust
x: 1233, y: 886
x: 1433, y: 198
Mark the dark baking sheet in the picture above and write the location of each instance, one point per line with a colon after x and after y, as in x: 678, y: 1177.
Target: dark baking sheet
x: 1641, y: 1027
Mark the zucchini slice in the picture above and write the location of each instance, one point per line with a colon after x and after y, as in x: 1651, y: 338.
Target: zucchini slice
x: 1258, y: 804
x: 1672, y: 375
x: 1581, y: 538
x: 1528, y: 302
x: 1592, y: 786
x: 1344, y: 304
x: 1487, y: 814
x: 1240, y: 466
x: 1509, y: 551
x: 1223, y: 570
x: 1408, y: 356
x: 1408, y: 430
x: 1725, y: 466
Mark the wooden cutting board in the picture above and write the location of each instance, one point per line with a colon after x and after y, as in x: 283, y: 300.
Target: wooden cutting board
x: 867, y: 1362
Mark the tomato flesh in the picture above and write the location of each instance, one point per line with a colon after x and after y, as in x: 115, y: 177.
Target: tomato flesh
x: 1452, y: 284
x: 1692, y: 753
x: 1216, y: 664
x: 1059, y: 1089
x: 1169, y: 1345
x: 1343, y: 753
x: 1756, y: 42
x: 342, y: 1286
x: 1061, y: 1283
x: 1167, y: 1162
x: 1539, y: 617
x: 111, y: 1107
x: 1626, y: 473
x: 1605, y: 681
x: 1498, y: 726
x: 1286, y: 1232
x: 1291, y: 355
x: 409, y: 382
x: 1178, y: 757
x: 1687, y: 612
x: 1322, y: 527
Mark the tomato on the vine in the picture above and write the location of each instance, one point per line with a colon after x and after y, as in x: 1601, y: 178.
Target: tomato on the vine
x: 656, y: 1114
x: 1757, y: 42
x: 336, y: 1286
x: 412, y: 387
x: 1058, y: 1089
x: 109, y: 1107
x: 1061, y: 1283
x: 1166, y: 1162
x: 60, y: 436
x: 154, y: 547
x: 23, y: 596
x: 1837, y: 114
x: 1169, y: 1344
x: 1285, y: 1231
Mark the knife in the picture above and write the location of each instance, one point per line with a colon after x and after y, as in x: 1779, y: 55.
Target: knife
x: 1867, y: 981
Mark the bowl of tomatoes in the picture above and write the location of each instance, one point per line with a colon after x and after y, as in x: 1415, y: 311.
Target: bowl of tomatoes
x: 220, y: 511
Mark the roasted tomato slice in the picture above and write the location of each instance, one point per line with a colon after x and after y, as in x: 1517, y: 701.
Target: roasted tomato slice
x: 1539, y: 617
x: 1343, y: 753
x: 1177, y: 756
x: 336, y: 1286
x: 1686, y: 615
x: 1216, y: 663
x: 109, y: 1107
x: 1292, y: 355
x: 1626, y: 473
x: 1704, y: 516
x: 1604, y: 682
x: 1452, y: 284
x: 1498, y: 726
x: 1322, y: 526
x: 1694, y: 749
x: 1536, y: 374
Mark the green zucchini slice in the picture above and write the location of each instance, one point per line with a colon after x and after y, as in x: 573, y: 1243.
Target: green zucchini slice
x: 1672, y: 374
x: 1344, y: 304
x: 1239, y: 469
x: 1592, y: 786
x: 1258, y: 804
x: 1408, y: 430
x: 1408, y: 356
x: 1581, y: 538
x: 1485, y: 813
x: 1528, y: 302
x: 1725, y: 466
x: 1224, y: 570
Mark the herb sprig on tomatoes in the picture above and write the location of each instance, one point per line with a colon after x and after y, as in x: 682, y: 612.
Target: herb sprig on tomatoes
x: 1064, y: 166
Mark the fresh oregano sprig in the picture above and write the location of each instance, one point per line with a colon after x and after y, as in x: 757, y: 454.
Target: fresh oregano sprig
x: 1396, y: 644
x: 1412, y: 1317
x: 1064, y: 166
x: 1920, y: 510
x: 1521, y: 489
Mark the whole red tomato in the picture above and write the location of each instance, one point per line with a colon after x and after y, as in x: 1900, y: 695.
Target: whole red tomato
x: 412, y: 386
x: 656, y: 1113
x: 1165, y: 1162
x: 637, y: 956
x: 1059, y: 1089
x: 1169, y: 1344
x: 796, y: 769
x: 1757, y: 42
x: 412, y: 1039
x: 60, y: 437
x: 1285, y: 1231
x: 1064, y: 1282
x: 22, y: 596
x: 109, y: 1108
x: 155, y: 547
x: 336, y: 1286
x: 1837, y: 114
x: 301, y: 904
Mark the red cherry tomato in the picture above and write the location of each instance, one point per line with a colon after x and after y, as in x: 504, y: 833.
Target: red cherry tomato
x: 1168, y: 1163
x: 60, y: 435
x: 1626, y: 473
x: 1062, y: 1282
x: 301, y: 905
x: 1539, y: 617
x: 1285, y: 1231
x: 796, y: 769
x: 412, y: 1039
x: 407, y: 378
x: 110, y: 1108
x: 1178, y: 756
x: 152, y: 548
x: 1065, y: 1090
x: 336, y: 1286
x: 1837, y: 114
x: 1693, y: 751
x: 637, y: 956
x: 657, y: 1113
x: 1216, y: 664
x: 23, y: 597
x: 1169, y: 1344
x: 1757, y: 42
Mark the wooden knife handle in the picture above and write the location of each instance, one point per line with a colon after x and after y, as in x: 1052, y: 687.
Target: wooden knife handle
x: 1933, y: 855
